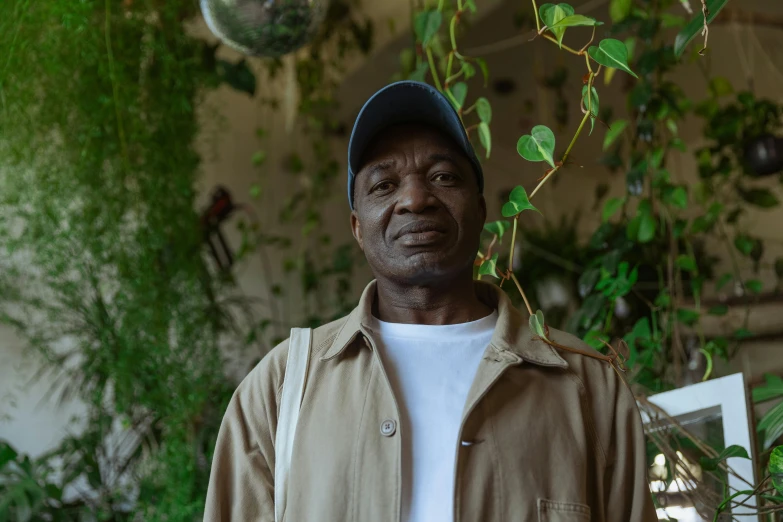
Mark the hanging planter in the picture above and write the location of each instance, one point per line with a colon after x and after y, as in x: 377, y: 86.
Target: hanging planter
x: 764, y: 155
x: 269, y: 28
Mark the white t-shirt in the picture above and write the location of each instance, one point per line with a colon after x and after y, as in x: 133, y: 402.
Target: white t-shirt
x: 431, y: 369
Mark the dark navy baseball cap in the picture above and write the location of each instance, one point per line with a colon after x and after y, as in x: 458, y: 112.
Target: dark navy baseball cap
x: 406, y: 102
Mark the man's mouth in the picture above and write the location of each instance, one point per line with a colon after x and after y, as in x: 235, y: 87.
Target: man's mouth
x: 421, y: 232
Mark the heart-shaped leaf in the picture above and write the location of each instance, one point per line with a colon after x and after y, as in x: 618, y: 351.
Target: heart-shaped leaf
x: 590, y: 102
x: 485, y: 137
x: 551, y: 14
x: 615, y: 130
x: 711, y: 464
x: 489, y: 266
x: 497, y: 228
x: 517, y: 202
x: 468, y: 70
x: 539, y: 145
x: 459, y: 91
x: 484, y: 110
x: 536, y: 323
x: 427, y: 24
x: 576, y: 21
x: 611, y: 53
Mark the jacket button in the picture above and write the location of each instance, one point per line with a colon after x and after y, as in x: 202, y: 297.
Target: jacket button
x: 388, y: 427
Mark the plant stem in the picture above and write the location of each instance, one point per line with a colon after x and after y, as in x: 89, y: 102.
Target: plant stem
x: 513, y: 243
x: 433, y: 71
x: 519, y: 287
x: 578, y: 132
x: 541, y: 183
x: 565, y: 156
x: 564, y: 47
x: 535, y: 12
x: 453, y: 32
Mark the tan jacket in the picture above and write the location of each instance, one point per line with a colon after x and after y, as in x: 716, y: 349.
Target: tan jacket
x: 547, y: 435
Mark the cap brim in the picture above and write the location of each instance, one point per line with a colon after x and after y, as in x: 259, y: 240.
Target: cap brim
x: 405, y: 102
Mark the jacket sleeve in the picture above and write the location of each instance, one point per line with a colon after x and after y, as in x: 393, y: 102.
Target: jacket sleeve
x: 241, y: 481
x: 628, y: 496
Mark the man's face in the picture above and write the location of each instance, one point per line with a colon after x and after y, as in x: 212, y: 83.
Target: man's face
x: 418, y: 213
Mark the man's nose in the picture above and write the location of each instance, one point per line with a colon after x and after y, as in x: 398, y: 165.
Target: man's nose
x: 415, y: 196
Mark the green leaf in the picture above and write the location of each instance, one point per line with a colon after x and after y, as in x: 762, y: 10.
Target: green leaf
x: 779, y: 268
x: 776, y: 468
x: 619, y: 10
x: 696, y: 25
x: 742, y: 333
x: 576, y: 21
x: 484, y: 69
x: 551, y: 14
x: 517, y: 202
x: 711, y: 464
x: 484, y: 110
x: 744, y: 244
x: 771, y: 425
x: 7, y: 454
x: 238, y: 76
x: 687, y: 317
x: 686, y: 263
x: 470, y: 4
x: 485, y: 137
x: 489, y: 266
x: 678, y: 197
x: 459, y: 91
x: 420, y: 73
x: 539, y: 145
x: 590, y: 103
x: 497, y: 228
x: 611, y: 53
x: 720, y: 86
x: 611, y: 207
x: 468, y: 70
x: 771, y: 390
x: 754, y: 286
x: 647, y: 222
x: 427, y: 24
x: 536, y: 323
x: 718, y: 310
x: 258, y: 158
x: 762, y: 198
x: 617, y: 128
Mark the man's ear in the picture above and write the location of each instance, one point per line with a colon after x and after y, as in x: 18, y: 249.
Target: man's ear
x: 356, y: 229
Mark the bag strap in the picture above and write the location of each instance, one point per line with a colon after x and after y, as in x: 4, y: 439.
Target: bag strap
x: 288, y: 416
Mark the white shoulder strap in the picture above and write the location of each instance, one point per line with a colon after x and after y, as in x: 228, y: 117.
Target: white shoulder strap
x: 288, y: 416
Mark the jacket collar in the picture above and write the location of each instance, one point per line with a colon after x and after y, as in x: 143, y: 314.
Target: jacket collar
x: 512, y: 333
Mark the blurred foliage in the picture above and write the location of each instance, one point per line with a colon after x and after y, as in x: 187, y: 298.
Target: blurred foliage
x: 102, y: 271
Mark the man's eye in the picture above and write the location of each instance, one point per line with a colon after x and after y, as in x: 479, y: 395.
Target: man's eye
x: 444, y: 177
x: 382, y: 186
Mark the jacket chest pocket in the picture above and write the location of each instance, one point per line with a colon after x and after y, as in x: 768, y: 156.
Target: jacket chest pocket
x: 551, y: 511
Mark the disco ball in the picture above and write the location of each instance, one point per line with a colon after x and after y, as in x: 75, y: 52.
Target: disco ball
x: 264, y: 27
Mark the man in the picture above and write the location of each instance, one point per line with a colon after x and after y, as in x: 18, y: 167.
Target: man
x: 432, y: 401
